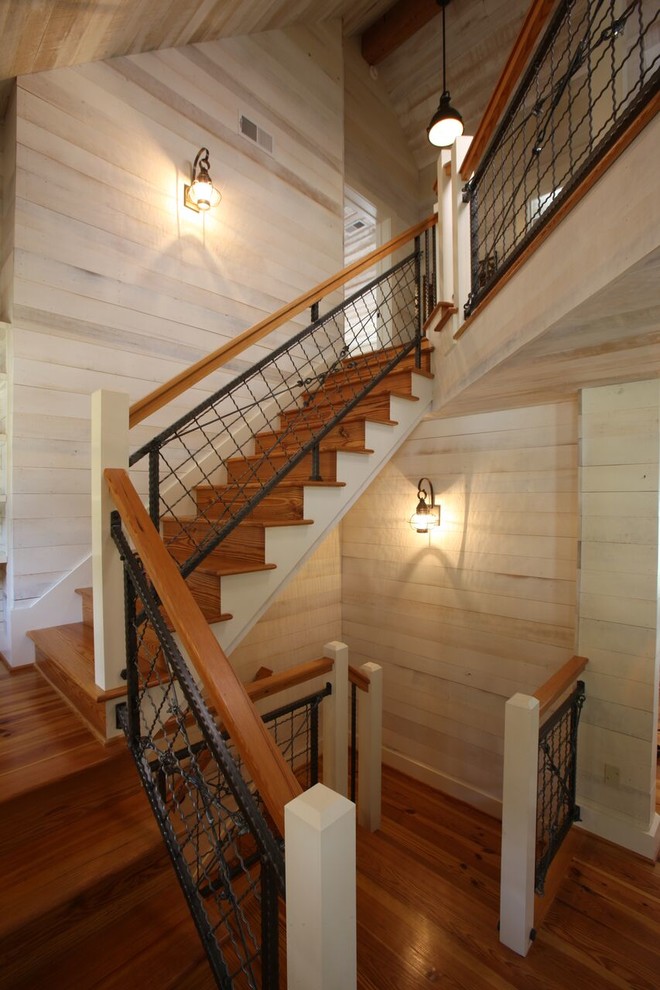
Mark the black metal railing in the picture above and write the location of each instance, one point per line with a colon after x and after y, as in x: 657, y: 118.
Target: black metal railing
x: 228, y: 861
x: 556, y: 805
x: 596, y: 68
x: 245, y: 439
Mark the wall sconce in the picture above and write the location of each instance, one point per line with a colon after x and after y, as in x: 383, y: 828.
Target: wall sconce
x: 201, y: 194
x: 427, y: 514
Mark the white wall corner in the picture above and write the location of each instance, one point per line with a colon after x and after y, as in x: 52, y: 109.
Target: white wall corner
x: 58, y: 606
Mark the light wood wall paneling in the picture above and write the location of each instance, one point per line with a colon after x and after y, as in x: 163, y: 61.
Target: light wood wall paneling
x: 379, y: 164
x: 483, y: 607
x: 117, y: 285
x: 620, y: 481
x: 305, y: 616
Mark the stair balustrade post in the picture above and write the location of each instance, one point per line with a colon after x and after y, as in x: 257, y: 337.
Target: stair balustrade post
x: 370, y: 745
x: 462, y: 236
x: 109, y: 449
x: 335, y: 721
x: 321, y: 920
x: 521, y: 756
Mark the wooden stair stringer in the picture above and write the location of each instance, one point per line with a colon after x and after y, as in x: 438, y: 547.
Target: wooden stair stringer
x: 247, y: 596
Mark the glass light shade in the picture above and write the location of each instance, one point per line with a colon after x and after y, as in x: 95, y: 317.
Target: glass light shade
x: 203, y: 193
x: 446, y: 124
x: 424, y: 519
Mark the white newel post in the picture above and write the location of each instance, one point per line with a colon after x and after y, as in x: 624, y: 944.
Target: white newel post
x: 370, y: 745
x: 461, y: 229
x: 109, y: 449
x: 335, y: 721
x: 521, y: 747
x: 319, y: 835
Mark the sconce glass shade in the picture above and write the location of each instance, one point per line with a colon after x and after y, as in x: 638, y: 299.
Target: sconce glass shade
x: 427, y: 515
x: 201, y: 194
x: 446, y: 124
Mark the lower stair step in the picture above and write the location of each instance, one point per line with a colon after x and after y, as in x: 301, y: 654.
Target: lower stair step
x: 65, y: 657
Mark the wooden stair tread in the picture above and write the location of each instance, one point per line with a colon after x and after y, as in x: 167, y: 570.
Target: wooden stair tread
x: 233, y: 567
x: 257, y: 523
x: 259, y: 458
x: 71, y: 646
x: 285, y: 483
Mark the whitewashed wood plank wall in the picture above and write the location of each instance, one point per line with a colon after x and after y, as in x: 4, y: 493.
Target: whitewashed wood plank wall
x: 481, y: 608
x: 619, y: 627
x: 116, y: 284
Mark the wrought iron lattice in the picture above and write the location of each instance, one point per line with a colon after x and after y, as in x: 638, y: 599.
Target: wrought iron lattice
x: 596, y: 68
x: 556, y: 805
x: 295, y: 729
x: 228, y: 862
x: 242, y: 441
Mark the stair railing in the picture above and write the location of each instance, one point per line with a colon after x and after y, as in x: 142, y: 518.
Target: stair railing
x: 212, y: 816
x: 539, y: 794
x: 247, y: 437
x: 590, y: 87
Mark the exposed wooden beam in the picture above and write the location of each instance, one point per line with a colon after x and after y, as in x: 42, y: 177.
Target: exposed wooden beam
x: 399, y: 23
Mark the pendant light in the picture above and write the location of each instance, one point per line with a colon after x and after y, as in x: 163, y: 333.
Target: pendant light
x: 446, y: 123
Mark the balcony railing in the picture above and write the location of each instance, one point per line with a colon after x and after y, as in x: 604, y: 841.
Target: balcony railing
x: 595, y: 71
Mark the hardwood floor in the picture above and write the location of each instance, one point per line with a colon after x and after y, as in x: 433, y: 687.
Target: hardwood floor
x: 88, y: 899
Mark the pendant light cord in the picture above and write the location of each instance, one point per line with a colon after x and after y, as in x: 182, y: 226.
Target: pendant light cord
x: 444, y: 53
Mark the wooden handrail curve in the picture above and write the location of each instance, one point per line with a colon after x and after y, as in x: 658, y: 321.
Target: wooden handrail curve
x: 537, y: 15
x: 559, y: 683
x: 272, y: 775
x: 165, y: 393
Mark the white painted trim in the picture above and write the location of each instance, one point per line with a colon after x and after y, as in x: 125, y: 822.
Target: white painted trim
x: 454, y: 788
x: 59, y: 605
x: 370, y: 747
x: 644, y: 842
x: 519, y: 796
x: 109, y: 431
x: 321, y: 919
x: 335, y: 721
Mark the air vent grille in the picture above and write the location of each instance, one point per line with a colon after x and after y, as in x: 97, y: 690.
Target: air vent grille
x: 253, y: 132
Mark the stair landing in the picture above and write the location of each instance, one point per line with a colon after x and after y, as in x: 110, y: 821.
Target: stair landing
x: 89, y: 895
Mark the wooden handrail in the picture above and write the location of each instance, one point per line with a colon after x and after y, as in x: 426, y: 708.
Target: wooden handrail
x: 559, y: 683
x: 533, y: 24
x: 358, y: 678
x: 271, y: 773
x: 198, y: 371
x: 284, y: 679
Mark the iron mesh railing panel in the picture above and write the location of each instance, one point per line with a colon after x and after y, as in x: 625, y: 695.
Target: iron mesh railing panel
x: 556, y: 804
x: 242, y: 441
x: 595, y: 69
x: 228, y: 862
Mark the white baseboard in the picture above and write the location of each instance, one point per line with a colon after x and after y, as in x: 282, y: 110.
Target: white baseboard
x: 443, y: 782
x: 644, y: 842
x: 58, y: 606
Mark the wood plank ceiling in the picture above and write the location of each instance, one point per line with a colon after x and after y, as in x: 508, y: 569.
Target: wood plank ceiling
x: 406, y: 42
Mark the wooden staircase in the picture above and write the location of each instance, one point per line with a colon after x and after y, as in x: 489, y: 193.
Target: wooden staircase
x: 89, y: 897
x: 282, y: 530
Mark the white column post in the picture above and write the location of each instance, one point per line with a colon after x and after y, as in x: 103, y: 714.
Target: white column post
x: 445, y: 238
x: 319, y: 836
x: 462, y: 246
x: 109, y: 449
x: 335, y: 721
x: 521, y: 748
x: 370, y: 744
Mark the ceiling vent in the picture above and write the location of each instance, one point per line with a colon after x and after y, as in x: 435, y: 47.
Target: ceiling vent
x: 253, y: 132
x: 358, y: 225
